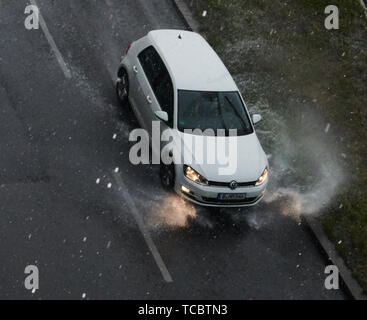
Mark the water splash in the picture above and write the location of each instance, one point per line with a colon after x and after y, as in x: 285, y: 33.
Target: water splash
x: 298, y: 202
x: 305, y: 174
x: 171, y: 211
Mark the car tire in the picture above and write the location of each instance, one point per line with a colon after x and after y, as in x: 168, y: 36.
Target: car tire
x: 167, y: 175
x: 122, y: 86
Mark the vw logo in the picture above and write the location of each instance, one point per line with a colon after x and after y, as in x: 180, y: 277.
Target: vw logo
x: 233, y: 185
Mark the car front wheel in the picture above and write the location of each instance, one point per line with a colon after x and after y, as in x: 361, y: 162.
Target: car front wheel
x: 167, y: 175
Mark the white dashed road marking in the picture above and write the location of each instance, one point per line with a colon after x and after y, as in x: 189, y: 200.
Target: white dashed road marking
x: 52, y: 43
x: 143, y: 229
x: 128, y: 199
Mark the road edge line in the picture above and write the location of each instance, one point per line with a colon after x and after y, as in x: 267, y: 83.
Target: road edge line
x: 327, y: 247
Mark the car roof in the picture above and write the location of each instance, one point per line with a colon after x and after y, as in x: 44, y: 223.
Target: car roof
x: 192, y: 62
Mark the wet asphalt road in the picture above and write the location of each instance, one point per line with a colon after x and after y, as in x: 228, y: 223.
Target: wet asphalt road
x: 57, y: 139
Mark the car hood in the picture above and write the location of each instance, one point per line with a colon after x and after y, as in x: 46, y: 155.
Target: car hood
x: 244, y: 161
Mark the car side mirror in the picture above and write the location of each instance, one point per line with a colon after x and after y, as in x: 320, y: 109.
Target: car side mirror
x: 162, y: 115
x: 256, y: 118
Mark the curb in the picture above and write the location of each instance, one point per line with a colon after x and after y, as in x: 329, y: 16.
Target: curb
x: 185, y: 13
x: 351, y: 286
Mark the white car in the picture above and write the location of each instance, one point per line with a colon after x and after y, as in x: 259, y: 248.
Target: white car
x: 175, y: 77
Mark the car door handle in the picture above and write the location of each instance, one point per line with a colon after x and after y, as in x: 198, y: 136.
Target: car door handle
x: 135, y: 68
x: 149, y: 99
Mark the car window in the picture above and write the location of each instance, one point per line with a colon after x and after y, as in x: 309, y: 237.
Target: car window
x: 147, y: 63
x: 212, y: 110
x: 159, y: 79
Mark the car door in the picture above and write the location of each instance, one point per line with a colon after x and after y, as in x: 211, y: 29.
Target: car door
x: 156, y: 87
x: 164, y: 92
x: 134, y: 70
x: 146, y: 73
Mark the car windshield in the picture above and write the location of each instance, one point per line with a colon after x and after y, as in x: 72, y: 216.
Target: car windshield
x: 212, y: 110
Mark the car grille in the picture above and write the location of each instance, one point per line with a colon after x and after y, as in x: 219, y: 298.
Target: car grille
x: 219, y: 201
x: 227, y: 184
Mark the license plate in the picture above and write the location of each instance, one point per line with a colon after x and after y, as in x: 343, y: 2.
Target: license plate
x: 232, y: 196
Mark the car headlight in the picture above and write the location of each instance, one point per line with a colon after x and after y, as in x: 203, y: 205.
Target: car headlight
x: 263, y: 177
x: 193, y: 175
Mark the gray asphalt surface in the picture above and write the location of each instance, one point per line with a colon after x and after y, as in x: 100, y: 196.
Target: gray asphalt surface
x: 56, y: 140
